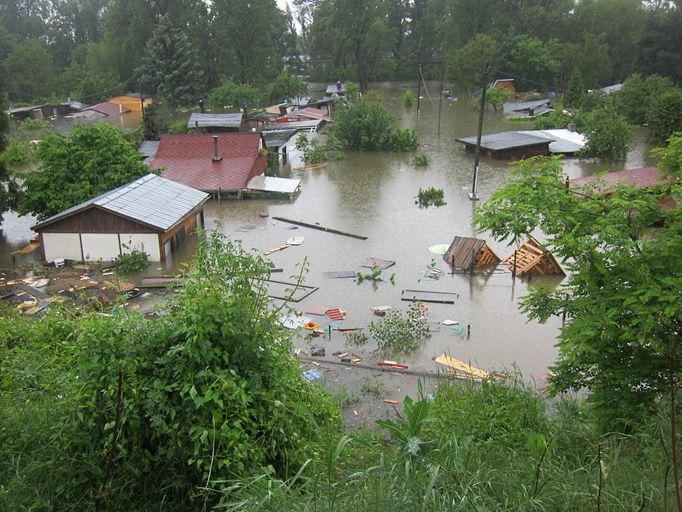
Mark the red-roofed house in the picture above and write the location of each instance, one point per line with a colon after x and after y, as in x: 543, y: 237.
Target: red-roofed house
x: 641, y: 178
x: 217, y: 164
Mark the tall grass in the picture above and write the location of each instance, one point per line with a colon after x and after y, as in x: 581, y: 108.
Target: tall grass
x: 485, y: 448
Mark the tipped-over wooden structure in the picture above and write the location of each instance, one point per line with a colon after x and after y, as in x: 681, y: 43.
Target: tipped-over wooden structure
x: 469, y: 253
x: 460, y: 368
x: 533, y: 259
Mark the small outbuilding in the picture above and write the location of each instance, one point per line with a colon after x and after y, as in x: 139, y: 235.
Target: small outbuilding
x: 531, y: 258
x: 151, y: 214
x: 467, y: 253
x: 509, y: 145
x: 528, y: 109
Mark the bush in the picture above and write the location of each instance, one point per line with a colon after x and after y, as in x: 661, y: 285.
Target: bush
x: 422, y: 160
x: 408, y: 99
x: 132, y: 261
x: 180, y: 126
x: 16, y: 153
x: 315, y: 151
x: 398, y: 333
x: 608, y: 134
x: 430, y: 197
x: 35, y: 125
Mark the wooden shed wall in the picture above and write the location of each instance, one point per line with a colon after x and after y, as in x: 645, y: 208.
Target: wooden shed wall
x: 96, y: 220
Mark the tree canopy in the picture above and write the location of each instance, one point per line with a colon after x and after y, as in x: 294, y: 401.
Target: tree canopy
x: 621, y: 300
x: 92, y: 160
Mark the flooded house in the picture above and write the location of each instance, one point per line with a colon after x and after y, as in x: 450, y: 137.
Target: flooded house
x: 133, y: 101
x: 509, y: 145
x: 221, y: 165
x: 152, y: 214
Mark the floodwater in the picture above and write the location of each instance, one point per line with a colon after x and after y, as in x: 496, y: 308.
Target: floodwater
x: 373, y: 194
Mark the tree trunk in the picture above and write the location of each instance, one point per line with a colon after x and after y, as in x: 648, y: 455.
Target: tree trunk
x: 361, y: 66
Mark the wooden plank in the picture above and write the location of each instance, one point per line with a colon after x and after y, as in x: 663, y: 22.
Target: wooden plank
x: 320, y: 228
x: 461, y: 366
x: 429, y: 296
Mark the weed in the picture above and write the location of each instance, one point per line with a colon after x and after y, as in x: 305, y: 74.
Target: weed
x: 345, y: 398
x: 371, y: 387
x: 408, y: 99
x: 356, y: 338
x: 422, y: 160
x: 430, y: 197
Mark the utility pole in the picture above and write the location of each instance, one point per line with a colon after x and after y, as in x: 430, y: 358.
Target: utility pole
x: 419, y: 89
x: 473, y: 195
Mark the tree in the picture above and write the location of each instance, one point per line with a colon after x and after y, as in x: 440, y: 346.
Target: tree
x: 535, y: 62
x: 92, y: 160
x: 7, y: 184
x: 638, y: 96
x: 287, y: 87
x: 495, y: 97
x: 251, y: 37
x: 466, y: 66
x: 231, y: 95
x: 621, y: 300
x: 608, y: 134
x: 170, y: 65
x: 153, y: 124
x: 665, y: 117
x: 575, y: 90
x: 30, y: 71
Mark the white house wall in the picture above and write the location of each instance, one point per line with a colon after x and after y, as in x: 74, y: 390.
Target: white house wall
x: 62, y: 245
x: 100, y: 246
x: 145, y: 242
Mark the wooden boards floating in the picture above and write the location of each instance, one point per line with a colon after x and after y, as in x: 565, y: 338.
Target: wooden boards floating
x: 288, y: 291
x: 377, y: 262
x: 341, y: 274
x: 429, y: 296
x: 461, y: 367
x: 320, y: 228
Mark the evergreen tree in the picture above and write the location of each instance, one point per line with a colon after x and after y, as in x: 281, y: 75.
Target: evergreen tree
x: 575, y: 90
x: 153, y: 124
x: 7, y: 185
x: 170, y: 65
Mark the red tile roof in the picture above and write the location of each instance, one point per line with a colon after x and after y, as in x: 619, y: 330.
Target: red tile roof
x: 188, y: 159
x: 108, y: 108
x: 641, y: 178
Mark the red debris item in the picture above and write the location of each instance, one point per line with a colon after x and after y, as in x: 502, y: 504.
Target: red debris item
x: 336, y: 314
x: 393, y: 364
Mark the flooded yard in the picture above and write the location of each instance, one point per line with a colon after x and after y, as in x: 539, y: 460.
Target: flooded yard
x: 373, y: 194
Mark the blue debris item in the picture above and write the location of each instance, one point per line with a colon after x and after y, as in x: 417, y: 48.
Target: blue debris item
x: 459, y: 329
x: 311, y: 375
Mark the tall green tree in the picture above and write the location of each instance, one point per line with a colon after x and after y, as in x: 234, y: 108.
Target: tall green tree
x: 92, y: 160
x: 251, y: 40
x: 287, y: 86
x: 30, y: 71
x: 7, y: 184
x: 575, y: 90
x: 467, y: 66
x: 170, y: 65
x: 621, y: 299
x: 665, y: 118
x: 608, y: 134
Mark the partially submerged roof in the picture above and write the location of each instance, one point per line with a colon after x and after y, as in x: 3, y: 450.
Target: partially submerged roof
x: 527, y: 108
x: 207, y: 120
x: 337, y: 88
x: 277, y: 139
x: 309, y: 113
x: 505, y: 140
x: 108, y: 108
x: 465, y: 253
x: 563, y: 141
x: 277, y: 185
x: 189, y: 159
x: 311, y: 125
x: 148, y: 148
x: 644, y: 177
x: 151, y: 200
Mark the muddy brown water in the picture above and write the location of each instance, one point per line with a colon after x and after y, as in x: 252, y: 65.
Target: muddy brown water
x: 373, y: 194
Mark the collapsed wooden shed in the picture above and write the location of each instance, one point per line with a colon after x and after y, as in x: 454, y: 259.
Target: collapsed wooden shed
x: 469, y: 253
x: 533, y: 259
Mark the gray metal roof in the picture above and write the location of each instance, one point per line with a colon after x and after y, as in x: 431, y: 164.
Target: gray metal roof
x: 152, y: 200
x: 517, y: 108
x: 335, y: 89
x: 148, y: 148
x: 199, y: 120
x: 505, y: 140
x: 313, y: 124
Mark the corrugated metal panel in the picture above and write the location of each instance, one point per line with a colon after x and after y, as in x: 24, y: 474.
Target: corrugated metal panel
x: 203, y: 120
x: 151, y: 199
x: 505, y: 140
x: 269, y: 184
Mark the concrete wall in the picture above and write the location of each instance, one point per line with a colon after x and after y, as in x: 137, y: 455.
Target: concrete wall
x: 62, y: 245
x: 100, y: 246
x: 145, y: 242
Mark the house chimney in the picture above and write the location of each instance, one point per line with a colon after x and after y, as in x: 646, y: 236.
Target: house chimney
x: 216, y: 156
x: 571, y: 127
x: 338, y: 85
x: 201, y: 106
